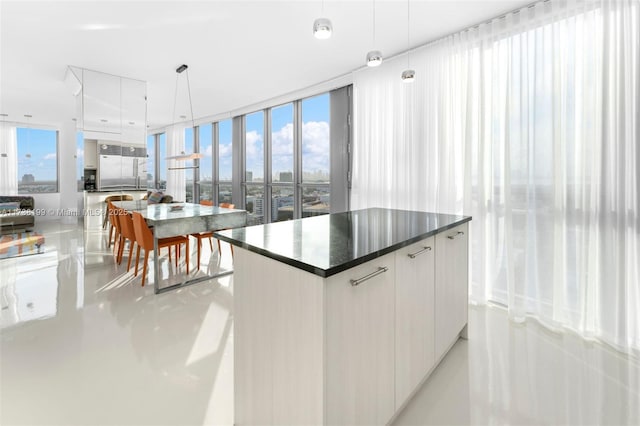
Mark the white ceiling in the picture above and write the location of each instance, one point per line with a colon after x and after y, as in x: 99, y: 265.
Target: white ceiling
x: 239, y: 52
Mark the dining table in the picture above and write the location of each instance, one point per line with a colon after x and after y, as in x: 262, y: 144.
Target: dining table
x: 177, y: 219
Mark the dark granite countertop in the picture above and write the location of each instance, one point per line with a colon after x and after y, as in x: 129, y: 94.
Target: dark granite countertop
x: 117, y: 191
x: 328, y: 244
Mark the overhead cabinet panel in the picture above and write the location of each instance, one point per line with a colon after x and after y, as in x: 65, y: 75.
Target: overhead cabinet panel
x: 102, y: 100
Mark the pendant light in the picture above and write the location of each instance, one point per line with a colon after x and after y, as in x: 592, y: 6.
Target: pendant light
x: 408, y: 75
x: 374, y: 57
x: 183, y: 156
x: 28, y: 153
x: 322, y: 28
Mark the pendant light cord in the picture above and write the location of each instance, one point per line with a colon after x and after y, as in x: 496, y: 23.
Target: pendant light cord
x: 374, y: 24
x: 175, y: 100
x: 193, y: 123
x: 408, y: 32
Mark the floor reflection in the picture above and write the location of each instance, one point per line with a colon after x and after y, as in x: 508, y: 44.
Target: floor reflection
x: 84, y: 343
x: 524, y: 374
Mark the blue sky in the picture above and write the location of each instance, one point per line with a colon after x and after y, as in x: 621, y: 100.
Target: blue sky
x: 315, y: 115
x: 42, y: 146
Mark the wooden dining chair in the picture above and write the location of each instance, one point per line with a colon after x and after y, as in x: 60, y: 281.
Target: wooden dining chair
x: 209, y: 234
x: 109, y: 199
x: 144, y: 239
x: 126, y: 234
x: 113, y: 226
x: 226, y: 206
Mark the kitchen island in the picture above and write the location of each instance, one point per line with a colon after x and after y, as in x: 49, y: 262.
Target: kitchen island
x: 339, y: 319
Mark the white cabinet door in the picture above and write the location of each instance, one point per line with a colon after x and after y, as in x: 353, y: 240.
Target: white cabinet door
x: 359, y: 324
x: 414, y: 315
x: 90, y: 154
x: 452, y: 286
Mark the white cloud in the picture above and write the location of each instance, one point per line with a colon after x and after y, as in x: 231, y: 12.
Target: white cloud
x: 50, y: 156
x: 208, y: 151
x: 282, y: 140
x: 225, y: 150
x: 253, y: 138
x: 315, y: 145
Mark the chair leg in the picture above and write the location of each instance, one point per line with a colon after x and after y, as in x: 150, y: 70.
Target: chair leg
x: 187, y: 256
x: 110, y: 236
x: 135, y: 274
x: 144, y: 268
x: 131, y: 244
x: 177, y: 254
x: 210, y: 244
x: 219, y: 249
x: 120, y: 250
x: 169, y: 248
x: 231, y: 245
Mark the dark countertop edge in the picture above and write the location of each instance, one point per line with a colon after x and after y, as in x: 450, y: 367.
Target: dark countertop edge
x: 116, y: 190
x: 326, y: 273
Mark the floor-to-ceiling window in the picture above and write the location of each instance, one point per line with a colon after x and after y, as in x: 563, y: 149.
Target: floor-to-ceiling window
x: 151, y: 161
x: 189, y: 143
x: 285, y: 157
x: 254, y: 188
x: 282, y: 156
x: 316, y: 156
x: 37, y: 160
x: 205, y: 169
x: 288, y: 157
x: 162, y: 161
x: 224, y: 187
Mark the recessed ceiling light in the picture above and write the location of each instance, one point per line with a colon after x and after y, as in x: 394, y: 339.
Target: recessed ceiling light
x: 99, y: 27
x: 28, y: 115
x: 104, y: 120
x: 322, y: 28
x: 4, y: 115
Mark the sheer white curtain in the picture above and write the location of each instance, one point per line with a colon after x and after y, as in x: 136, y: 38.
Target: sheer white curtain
x: 176, y: 179
x: 531, y: 125
x: 8, y: 160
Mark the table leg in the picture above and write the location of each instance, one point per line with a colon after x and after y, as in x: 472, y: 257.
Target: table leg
x: 156, y: 266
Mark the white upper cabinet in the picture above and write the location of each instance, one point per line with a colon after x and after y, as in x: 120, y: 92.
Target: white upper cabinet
x: 134, y: 112
x: 114, y: 108
x: 101, y: 98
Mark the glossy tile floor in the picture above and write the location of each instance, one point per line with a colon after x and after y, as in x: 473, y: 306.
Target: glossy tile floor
x: 83, y: 343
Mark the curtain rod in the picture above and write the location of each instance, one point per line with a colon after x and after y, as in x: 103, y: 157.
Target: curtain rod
x: 503, y: 16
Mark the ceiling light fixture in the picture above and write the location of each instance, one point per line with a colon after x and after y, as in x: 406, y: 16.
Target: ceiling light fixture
x: 182, y: 156
x: 374, y: 57
x: 408, y: 75
x: 322, y: 28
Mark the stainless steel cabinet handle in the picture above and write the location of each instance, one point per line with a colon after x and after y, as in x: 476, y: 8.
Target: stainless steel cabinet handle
x: 451, y: 237
x: 371, y: 275
x: 413, y: 255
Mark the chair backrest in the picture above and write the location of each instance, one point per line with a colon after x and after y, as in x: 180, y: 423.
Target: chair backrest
x: 113, y: 217
x: 144, y: 237
x: 227, y: 206
x: 126, y: 224
x: 125, y: 197
x: 206, y: 203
